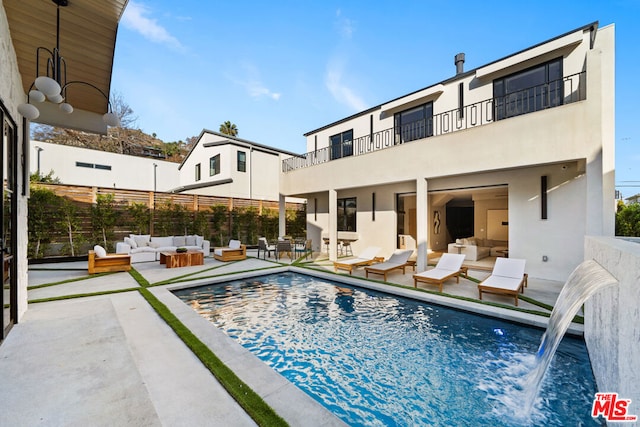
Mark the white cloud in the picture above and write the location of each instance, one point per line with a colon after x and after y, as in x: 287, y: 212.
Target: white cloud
x: 339, y: 90
x: 135, y: 19
x: 253, y: 84
x: 346, y: 27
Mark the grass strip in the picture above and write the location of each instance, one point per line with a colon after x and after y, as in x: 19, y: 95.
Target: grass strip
x: 89, y: 294
x: 62, y: 282
x: 139, y: 278
x: 250, y: 401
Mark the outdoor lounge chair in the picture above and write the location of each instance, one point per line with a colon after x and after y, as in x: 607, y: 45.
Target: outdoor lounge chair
x: 507, y: 278
x: 395, y: 262
x: 449, y: 266
x: 236, y: 251
x: 366, y: 257
x: 101, y: 262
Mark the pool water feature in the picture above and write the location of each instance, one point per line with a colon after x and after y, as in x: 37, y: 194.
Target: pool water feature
x: 377, y: 359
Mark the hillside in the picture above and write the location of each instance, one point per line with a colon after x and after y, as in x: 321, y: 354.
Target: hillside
x: 118, y: 140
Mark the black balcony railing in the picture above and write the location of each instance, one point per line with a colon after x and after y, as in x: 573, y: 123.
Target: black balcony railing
x: 553, y: 94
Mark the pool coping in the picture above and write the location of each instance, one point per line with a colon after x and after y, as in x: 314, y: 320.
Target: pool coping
x: 290, y: 402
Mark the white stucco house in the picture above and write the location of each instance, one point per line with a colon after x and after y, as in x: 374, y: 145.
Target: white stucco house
x: 519, y: 150
x: 227, y: 166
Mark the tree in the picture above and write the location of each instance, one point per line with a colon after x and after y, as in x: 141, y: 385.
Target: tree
x: 628, y: 220
x: 104, y: 216
x: 70, y: 221
x: 140, y: 217
x: 43, y: 208
x: 229, y: 128
x: 124, y: 112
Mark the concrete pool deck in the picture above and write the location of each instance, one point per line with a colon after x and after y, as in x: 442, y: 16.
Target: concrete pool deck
x: 111, y: 360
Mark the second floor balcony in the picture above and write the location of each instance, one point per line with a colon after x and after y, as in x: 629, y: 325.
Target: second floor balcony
x: 553, y: 94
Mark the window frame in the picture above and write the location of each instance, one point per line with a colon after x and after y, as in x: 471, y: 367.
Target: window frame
x: 214, y: 165
x: 198, y: 174
x: 341, y: 144
x: 347, y: 221
x: 531, y: 98
x: 409, y: 131
x: 242, y: 164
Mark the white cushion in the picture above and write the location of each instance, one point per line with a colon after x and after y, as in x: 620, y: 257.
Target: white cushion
x: 141, y: 239
x: 234, y: 244
x: 190, y: 241
x: 218, y: 251
x: 179, y: 240
x: 162, y: 241
x: 100, y: 251
x: 199, y: 240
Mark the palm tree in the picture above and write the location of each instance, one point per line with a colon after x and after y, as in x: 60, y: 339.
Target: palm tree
x: 228, y: 128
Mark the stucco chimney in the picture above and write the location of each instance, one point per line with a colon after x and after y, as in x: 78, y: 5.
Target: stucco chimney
x: 459, y: 61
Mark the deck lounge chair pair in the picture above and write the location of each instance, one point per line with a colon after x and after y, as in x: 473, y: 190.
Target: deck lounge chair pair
x: 366, y: 257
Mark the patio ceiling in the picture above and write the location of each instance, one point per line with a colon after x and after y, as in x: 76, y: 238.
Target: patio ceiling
x: 88, y: 31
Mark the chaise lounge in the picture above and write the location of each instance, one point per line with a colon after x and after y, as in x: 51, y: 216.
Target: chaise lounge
x: 367, y: 257
x: 234, y: 252
x: 448, y: 267
x: 507, y: 278
x: 395, y: 262
x: 101, y: 262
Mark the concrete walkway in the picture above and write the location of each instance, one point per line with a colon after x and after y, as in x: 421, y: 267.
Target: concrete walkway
x: 111, y: 360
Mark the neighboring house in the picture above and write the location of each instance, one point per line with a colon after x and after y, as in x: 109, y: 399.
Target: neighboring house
x: 227, y: 166
x: 521, y: 149
x: 95, y: 168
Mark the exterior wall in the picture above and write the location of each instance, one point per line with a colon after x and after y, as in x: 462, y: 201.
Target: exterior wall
x: 12, y: 94
x: 572, y: 144
x: 127, y: 172
x: 612, y: 319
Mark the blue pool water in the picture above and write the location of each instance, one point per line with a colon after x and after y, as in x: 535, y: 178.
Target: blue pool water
x: 377, y: 359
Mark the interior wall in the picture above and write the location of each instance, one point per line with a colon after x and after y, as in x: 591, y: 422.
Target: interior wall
x: 482, y: 205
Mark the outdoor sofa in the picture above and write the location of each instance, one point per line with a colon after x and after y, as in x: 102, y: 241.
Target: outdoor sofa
x: 144, y: 247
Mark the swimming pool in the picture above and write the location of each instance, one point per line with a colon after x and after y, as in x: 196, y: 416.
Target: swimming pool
x: 376, y: 359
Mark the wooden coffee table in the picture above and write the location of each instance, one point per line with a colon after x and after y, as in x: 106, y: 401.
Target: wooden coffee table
x: 173, y: 259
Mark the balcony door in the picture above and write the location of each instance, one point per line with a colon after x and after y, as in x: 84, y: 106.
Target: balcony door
x: 8, y: 297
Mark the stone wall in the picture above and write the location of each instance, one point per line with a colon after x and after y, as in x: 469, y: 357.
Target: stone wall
x: 612, y: 319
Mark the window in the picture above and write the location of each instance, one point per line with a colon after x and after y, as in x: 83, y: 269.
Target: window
x: 528, y: 91
x: 214, y: 165
x: 242, y: 161
x: 198, y: 172
x: 415, y: 123
x: 93, y: 166
x: 341, y: 144
x: 347, y: 209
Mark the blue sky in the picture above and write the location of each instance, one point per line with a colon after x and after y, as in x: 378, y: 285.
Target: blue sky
x: 282, y: 68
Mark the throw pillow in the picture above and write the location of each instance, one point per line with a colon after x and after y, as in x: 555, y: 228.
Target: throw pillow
x: 199, y: 240
x: 179, y: 240
x: 100, y: 251
x: 234, y: 244
x: 132, y: 243
x: 190, y: 240
x: 142, y: 239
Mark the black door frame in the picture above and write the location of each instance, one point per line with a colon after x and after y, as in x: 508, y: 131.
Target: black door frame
x: 9, y: 252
